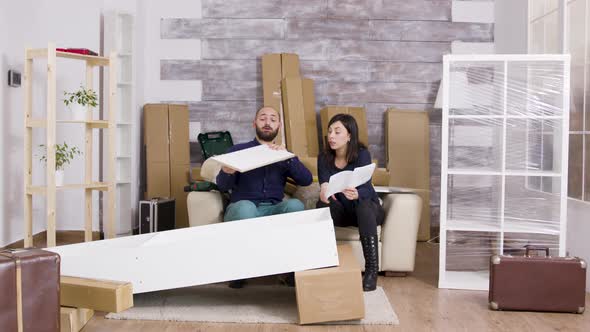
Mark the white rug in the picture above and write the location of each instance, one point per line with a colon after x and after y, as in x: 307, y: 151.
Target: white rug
x: 218, y: 303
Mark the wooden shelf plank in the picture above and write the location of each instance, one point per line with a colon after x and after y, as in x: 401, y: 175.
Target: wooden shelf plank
x: 36, y: 123
x: 36, y: 53
x: 102, y: 186
x: 91, y: 59
x: 41, y: 123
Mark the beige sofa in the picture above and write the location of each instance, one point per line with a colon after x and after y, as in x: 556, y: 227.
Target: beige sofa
x: 398, y: 235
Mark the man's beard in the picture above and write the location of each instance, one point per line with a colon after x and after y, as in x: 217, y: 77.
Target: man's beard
x: 266, y: 136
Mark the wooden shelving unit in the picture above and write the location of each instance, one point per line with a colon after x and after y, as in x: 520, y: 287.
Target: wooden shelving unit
x: 49, y: 124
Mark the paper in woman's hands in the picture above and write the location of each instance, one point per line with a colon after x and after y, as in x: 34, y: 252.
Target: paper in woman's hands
x: 349, y: 179
x: 252, y: 158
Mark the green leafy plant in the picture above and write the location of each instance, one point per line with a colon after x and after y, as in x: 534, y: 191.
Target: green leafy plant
x: 64, y: 154
x: 83, y: 97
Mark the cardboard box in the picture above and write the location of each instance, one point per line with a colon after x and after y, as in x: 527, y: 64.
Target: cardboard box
x: 276, y: 67
x: 68, y: 320
x: 196, y: 174
x: 294, y: 113
x: 357, y: 112
x: 74, y: 319
x: 331, y: 294
x: 166, y: 139
x: 84, y: 316
x: 179, y: 146
x: 381, y: 177
x: 311, y: 163
x: 101, y: 295
x: 203, y: 255
x: 179, y: 177
x: 155, y: 134
x: 271, y: 87
x: 408, y: 156
x: 289, y: 65
x: 311, y: 126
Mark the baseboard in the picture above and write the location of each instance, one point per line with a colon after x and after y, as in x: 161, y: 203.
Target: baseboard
x: 61, y: 237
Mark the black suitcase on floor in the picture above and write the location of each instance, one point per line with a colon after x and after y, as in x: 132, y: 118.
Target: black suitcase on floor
x: 156, y: 215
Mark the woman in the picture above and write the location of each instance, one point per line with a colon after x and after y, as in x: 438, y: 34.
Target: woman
x: 354, y: 206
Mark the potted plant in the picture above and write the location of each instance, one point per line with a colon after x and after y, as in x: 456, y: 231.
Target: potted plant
x: 78, y: 102
x: 64, y: 154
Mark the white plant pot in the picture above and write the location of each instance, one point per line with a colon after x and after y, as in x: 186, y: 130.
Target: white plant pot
x: 78, y: 112
x: 59, y: 177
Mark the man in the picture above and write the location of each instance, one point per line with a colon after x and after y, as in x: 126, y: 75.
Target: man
x: 259, y: 192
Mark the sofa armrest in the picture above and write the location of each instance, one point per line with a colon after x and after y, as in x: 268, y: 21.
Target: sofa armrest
x: 400, y: 232
x: 204, y: 208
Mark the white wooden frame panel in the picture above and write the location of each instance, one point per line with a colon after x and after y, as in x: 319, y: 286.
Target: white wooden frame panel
x: 208, y: 254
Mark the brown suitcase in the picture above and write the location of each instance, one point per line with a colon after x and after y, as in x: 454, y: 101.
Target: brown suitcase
x: 29, y: 279
x: 537, y: 283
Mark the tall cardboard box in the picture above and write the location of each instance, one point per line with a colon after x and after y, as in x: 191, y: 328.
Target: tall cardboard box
x: 271, y: 88
x: 331, y: 294
x: 408, y: 157
x: 357, y: 112
x: 166, y: 138
x: 311, y: 126
x: 289, y: 65
x: 294, y: 115
x: 155, y: 138
x: 275, y: 67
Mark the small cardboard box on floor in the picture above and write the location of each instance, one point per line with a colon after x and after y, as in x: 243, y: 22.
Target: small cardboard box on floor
x: 331, y: 294
x: 167, y: 155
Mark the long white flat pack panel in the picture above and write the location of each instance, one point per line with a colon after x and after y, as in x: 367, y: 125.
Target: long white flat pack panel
x: 252, y: 158
x: 208, y: 254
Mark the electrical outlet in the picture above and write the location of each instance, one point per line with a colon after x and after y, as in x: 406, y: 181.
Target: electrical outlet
x: 14, y: 78
x: 194, y: 129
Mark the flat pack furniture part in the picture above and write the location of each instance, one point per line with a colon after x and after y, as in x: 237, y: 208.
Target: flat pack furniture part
x: 74, y: 319
x: 156, y: 215
x: 96, y: 294
x: 30, y: 290
x: 208, y: 254
x: 252, y: 158
x: 536, y: 283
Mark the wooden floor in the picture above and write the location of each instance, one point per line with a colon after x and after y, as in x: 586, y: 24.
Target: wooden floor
x: 419, y: 304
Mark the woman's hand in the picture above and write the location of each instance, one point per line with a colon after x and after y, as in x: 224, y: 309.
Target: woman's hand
x: 323, y: 189
x: 351, y: 194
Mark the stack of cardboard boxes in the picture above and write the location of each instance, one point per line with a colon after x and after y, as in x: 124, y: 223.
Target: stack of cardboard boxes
x: 323, y: 294
x: 167, y: 155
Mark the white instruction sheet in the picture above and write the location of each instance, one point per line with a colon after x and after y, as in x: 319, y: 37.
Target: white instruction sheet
x: 252, y: 158
x: 349, y: 179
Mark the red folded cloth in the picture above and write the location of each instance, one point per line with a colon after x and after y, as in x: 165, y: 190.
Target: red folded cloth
x: 84, y: 51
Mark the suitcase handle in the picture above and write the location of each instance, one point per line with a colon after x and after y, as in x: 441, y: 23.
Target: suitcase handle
x: 530, y: 247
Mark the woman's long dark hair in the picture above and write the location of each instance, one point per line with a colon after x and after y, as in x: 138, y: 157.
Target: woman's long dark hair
x: 354, y: 145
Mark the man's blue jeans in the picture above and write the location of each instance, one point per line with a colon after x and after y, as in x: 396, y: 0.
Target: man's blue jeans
x: 247, y: 209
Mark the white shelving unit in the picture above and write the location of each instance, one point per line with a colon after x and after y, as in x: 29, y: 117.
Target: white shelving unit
x: 505, y: 124
x: 118, y: 32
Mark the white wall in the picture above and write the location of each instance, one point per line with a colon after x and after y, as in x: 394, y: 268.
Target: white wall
x: 156, y: 49
x: 578, y: 230
x: 33, y: 23
x: 510, y: 28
